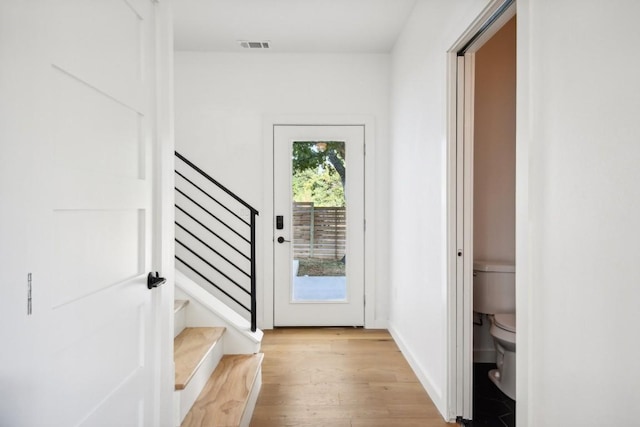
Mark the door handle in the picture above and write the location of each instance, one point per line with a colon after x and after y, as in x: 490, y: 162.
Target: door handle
x: 282, y: 240
x: 154, y: 281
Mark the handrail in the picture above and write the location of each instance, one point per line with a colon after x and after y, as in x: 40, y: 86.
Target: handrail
x: 205, y: 253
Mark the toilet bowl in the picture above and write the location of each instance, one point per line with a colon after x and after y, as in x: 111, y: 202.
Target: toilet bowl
x: 503, y: 331
x: 494, y: 296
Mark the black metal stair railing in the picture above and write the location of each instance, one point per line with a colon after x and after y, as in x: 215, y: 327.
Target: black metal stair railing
x: 213, y: 240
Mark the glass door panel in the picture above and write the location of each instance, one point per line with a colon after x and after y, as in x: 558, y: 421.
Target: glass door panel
x: 319, y: 213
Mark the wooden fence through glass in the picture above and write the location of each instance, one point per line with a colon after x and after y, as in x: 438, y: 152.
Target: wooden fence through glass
x: 319, y: 232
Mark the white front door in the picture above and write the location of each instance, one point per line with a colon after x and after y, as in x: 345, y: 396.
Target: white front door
x: 318, y: 225
x: 77, y: 142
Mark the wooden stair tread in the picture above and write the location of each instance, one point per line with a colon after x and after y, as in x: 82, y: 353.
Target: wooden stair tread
x: 190, y: 348
x: 224, y: 398
x: 179, y: 304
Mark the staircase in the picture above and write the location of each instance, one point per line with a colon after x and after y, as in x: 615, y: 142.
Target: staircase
x: 215, y: 238
x: 217, y: 363
x: 216, y: 340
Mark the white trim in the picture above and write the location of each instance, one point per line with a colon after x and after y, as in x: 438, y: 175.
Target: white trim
x: 525, y: 317
x: 265, y: 314
x: 163, y: 227
x: 368, y: 122
x: 477, y: 24
x: 454, y: 393
x: 467, y: 275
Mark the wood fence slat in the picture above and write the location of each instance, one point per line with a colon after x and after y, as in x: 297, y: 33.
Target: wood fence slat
x: 318, y: 232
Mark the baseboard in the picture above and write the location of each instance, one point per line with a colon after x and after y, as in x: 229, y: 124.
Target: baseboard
x: 377, y: 324
x: 434, y: 392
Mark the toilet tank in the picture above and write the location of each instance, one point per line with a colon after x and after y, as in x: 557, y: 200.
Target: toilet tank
x: 494, y: 287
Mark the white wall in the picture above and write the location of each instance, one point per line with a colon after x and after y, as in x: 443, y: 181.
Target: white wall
x: 223, y: 99
x: 418, y: 264
x: 578, y: 225
x: 494, y: 148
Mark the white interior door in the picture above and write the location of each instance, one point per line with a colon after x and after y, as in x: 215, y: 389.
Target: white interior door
x: 318, y: 243
x: 78, y: 105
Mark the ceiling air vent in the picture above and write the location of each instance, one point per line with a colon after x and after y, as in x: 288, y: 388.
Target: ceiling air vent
x: 254, y: 44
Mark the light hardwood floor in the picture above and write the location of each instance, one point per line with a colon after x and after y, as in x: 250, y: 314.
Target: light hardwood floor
x: 339, y: 377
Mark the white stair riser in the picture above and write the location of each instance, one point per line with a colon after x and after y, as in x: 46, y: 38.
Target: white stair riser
x: 179, y: 321
x: 185, y: 398
x: 206, y: 310
x: 253, y: 399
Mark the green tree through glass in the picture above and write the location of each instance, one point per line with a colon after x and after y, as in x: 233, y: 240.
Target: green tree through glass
x: 319, y: 172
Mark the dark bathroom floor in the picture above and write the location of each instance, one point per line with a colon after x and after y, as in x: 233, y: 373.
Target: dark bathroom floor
x: 491, y: 407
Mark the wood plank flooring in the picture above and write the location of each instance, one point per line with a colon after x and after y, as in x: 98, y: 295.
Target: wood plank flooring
x: 339, y: 377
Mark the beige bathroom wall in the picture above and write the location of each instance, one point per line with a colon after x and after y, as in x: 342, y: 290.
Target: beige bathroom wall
x: 494, y: 148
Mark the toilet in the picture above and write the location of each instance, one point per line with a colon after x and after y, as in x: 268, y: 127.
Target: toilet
x: 494, y: 295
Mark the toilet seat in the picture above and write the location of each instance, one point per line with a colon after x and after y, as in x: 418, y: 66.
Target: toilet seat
x: 506, y: 321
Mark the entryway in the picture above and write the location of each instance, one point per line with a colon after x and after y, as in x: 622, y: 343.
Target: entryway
x: 318, y: 235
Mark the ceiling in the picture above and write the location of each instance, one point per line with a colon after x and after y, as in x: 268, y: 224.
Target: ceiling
x: 313, y: 26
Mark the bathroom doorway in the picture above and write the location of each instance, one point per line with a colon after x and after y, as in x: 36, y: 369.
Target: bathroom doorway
x: 482, y: 199
x: 494, y: 160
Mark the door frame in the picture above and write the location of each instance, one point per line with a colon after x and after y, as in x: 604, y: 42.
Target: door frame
x: 163, y: 195
x: 266, y: 313
x: 460, y: 93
